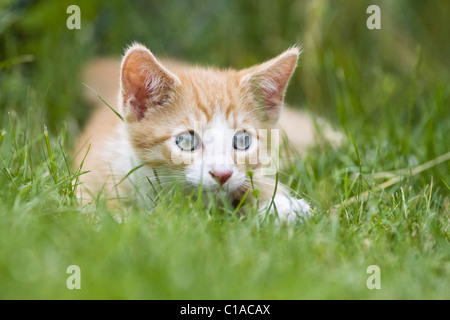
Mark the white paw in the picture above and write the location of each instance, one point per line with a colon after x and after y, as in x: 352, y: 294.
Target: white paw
x: 287, y: 209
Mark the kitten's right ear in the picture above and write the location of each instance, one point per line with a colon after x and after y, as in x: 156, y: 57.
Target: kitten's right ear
x: 268, y: 81
x: 145, y: 83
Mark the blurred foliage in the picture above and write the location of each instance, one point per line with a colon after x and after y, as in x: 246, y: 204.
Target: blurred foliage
x: 341, y: 59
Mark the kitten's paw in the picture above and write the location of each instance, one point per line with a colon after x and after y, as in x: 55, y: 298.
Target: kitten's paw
x: 287, y: 209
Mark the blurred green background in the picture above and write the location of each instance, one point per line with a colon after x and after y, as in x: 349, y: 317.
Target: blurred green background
x: 342, y: 57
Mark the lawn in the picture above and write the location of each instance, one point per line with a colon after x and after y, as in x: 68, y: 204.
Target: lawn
x: 381, y: 198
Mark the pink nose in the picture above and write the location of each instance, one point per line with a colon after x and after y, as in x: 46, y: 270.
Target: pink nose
x: 221, y: 176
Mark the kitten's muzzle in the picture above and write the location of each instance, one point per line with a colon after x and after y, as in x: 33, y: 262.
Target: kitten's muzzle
x: 221, y: 176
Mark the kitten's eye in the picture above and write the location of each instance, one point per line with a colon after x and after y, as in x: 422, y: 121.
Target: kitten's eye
x: 187, y: 141
x: 242, y: 140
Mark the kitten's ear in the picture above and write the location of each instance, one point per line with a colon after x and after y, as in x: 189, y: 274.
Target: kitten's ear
x: 268, y: 81
x: 145, y: 83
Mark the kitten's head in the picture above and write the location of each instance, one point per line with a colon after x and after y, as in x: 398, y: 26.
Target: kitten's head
x: 204, y: 125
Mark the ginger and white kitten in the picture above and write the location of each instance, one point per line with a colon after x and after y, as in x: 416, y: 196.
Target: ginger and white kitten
x: 198, y: 125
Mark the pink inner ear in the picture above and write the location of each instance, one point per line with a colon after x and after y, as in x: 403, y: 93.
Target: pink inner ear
x: 271, y: 80
x: 145, y: 83
x: 273, y: 93
x: 134, y: 91
x: 133, y: 83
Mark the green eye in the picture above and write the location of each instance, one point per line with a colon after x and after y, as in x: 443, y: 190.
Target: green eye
x: 187, y: 141
x: 242, y: 140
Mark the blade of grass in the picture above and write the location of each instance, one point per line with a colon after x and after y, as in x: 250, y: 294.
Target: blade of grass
x: 445, y: 184
x: 128, y: 174
x: 415, y: 171
x: 101, y: 98
x: 2, y: 135
x: 16, y: 60
x: 272, y: 203
x: 241, y: 202
x: 52, y: 166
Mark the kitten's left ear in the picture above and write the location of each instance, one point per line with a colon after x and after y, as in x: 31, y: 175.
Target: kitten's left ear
x: 268, y: 81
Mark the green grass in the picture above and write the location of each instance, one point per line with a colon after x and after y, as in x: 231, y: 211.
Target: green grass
x: 375, y: 201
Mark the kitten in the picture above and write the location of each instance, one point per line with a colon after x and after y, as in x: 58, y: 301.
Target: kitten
x: 200, y: 125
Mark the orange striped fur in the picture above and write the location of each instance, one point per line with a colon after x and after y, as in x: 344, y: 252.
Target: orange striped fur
x: 161, y: 100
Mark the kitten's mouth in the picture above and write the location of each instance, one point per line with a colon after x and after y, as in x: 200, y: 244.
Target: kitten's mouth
x: 218, y: 189
x: 226, y: 188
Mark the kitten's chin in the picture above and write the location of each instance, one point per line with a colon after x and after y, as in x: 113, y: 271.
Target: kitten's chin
x: 217, y: 188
